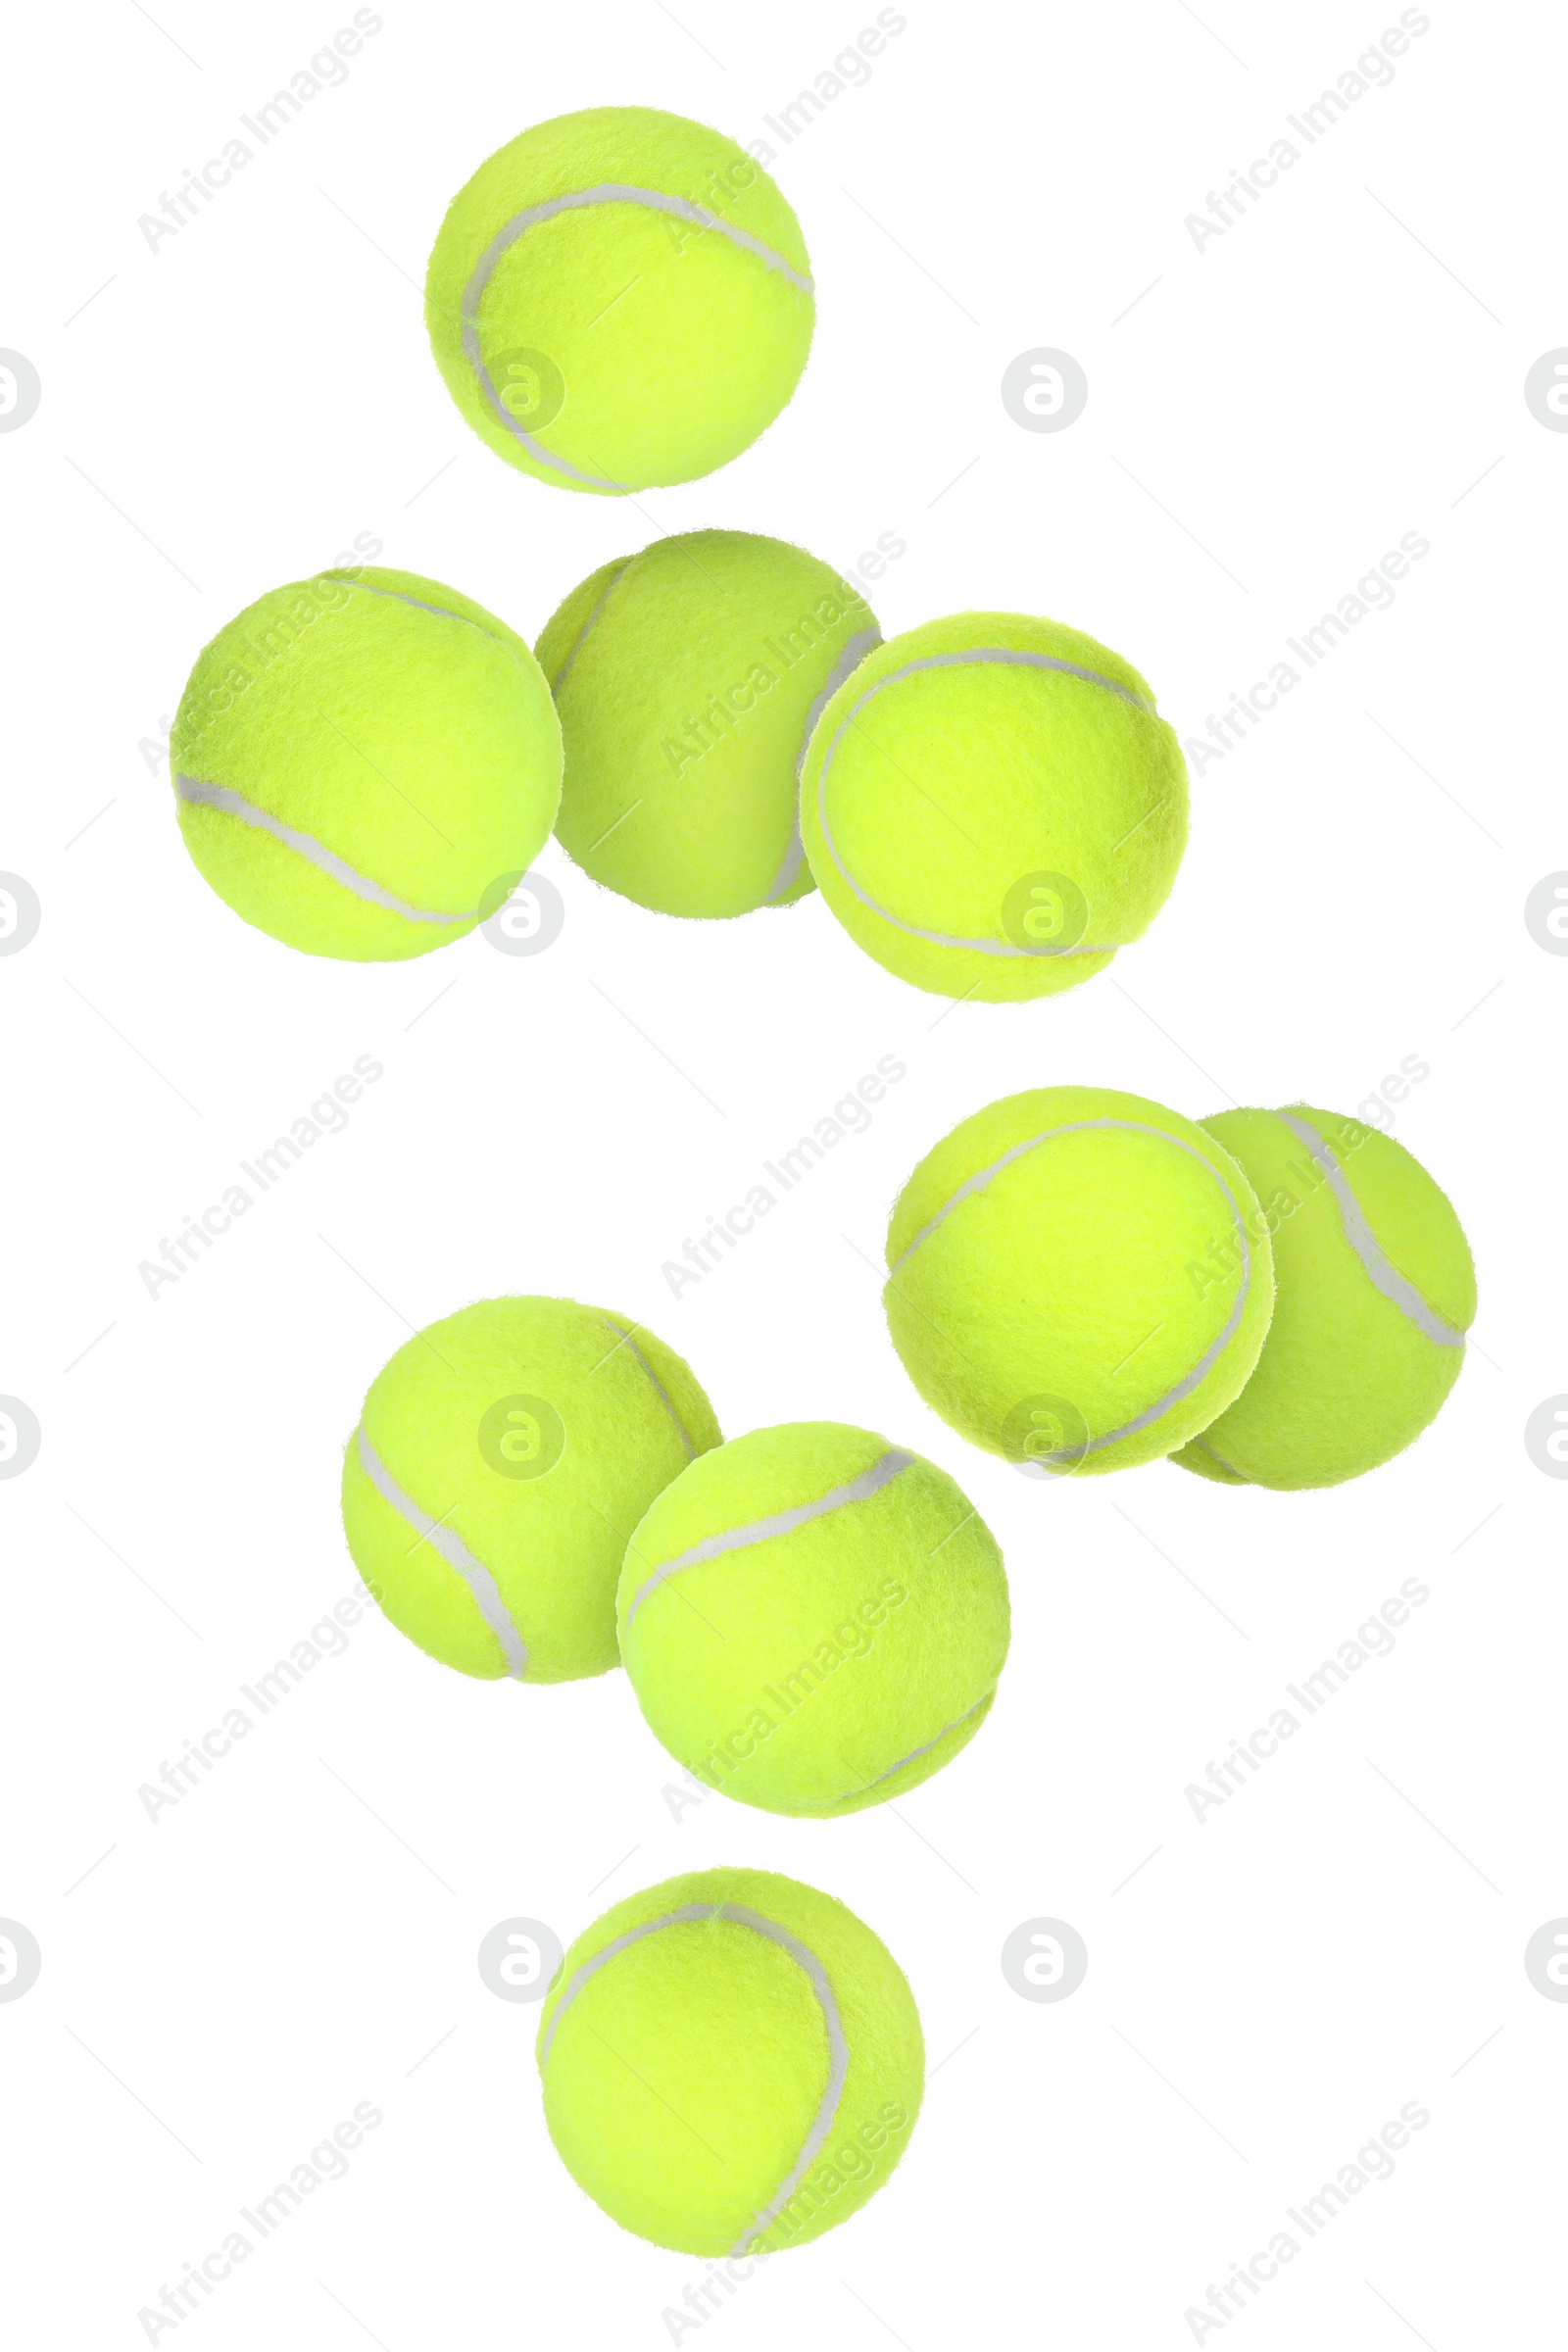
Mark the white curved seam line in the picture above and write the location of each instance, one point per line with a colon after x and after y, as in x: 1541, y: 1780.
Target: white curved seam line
x: 577, y: 641
x: 420, y: 604
x: 817, y: 1977
x: 838, y: 2066
x: 658, y: 200
x: 583, y: 1976
x: 789, y: 872
x: 1384, y: 1277
x: 983, y: 1177
x: 881, y: 1473
x: 653, y: 1381
x: 915, y: 1753
x: 305, y: 844
x: 1204, y: 1447
x: 1042, y: 1464
x: 452, y: 1548
x: 1008, y: 657
x: 849, y: 661
x: 842, y: 669
x: 679, y: 207
x: 398, y: 596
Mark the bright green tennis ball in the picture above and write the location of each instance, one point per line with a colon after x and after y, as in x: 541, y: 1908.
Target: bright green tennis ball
x: 732, y: 2063
x: 1078, y: 1280
x: 812, y: 1619
x: 688, y: 680
x: 502, y: 1460
x: 992, y: 807
x: 620, y: 299
x: 365, y: 764
x: 1374, y: 1291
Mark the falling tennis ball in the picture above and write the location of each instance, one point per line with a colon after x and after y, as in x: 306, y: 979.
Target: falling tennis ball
x: 1078, y: 1280
x: 732, y: 2063
x: 688, y: 680
x: 1374, y: 1291
x: 502, y: 1460
x: 620, y: 299
x: 365, y: 764
x: 814, y: 1620
x: 992, y: 807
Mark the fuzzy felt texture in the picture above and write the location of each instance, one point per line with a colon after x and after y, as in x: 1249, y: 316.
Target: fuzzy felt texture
x: 687, y: 2072
x: 639, y: 346
x: 795, y: 1672
x: 554, y: 1544
x: 1077, y: 1292
x: 1011, y: 806
x: 691, y: 672
x: 1346, y: 1379
x: 420, y: 747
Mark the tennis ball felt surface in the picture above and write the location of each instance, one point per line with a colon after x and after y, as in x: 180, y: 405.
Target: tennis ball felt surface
x: 1374, y: 1291
x: 992, y: 807
x: 620, y: 299
x: 732, y: 2063
x: 687, y: 679
x: 502, y: 1460
x: 1079, y: 1280
x: 364, y: 763
x: 814, y: 1620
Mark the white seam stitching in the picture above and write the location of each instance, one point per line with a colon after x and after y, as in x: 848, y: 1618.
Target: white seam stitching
x: 305, y: 844
x: 449, y: 1545
x: 1189, y: 1380
x: 859, y: 1489
x: 1007, y: 658
x: 610, y: 192
x: 1385, y: 1277
x: 821, y: 1985
x: 657, y: 1384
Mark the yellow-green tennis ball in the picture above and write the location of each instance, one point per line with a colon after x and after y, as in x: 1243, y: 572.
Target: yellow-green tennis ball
x: 365, y: 764
x: 732, y: 2063
x: 814, y: 1620
x: 620, y: 299
x: 992, y: 807
x: 502, y: 1460
x: 1079, y: 1280
x: 1375, y: 1288
x: 688, y: 680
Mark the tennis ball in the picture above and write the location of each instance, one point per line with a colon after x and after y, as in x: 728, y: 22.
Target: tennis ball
x: 502, y: 1460
x: 620, y: 299
x: 732, y: 2063
x: 365, y: 763
x: 1078, y: 1280
x: 992, y: 807
x: 1374, y: 1291
x: 688, y: 680
x: 812, y: 1619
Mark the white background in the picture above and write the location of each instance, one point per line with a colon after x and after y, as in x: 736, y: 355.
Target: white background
x: 220, y: 1987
